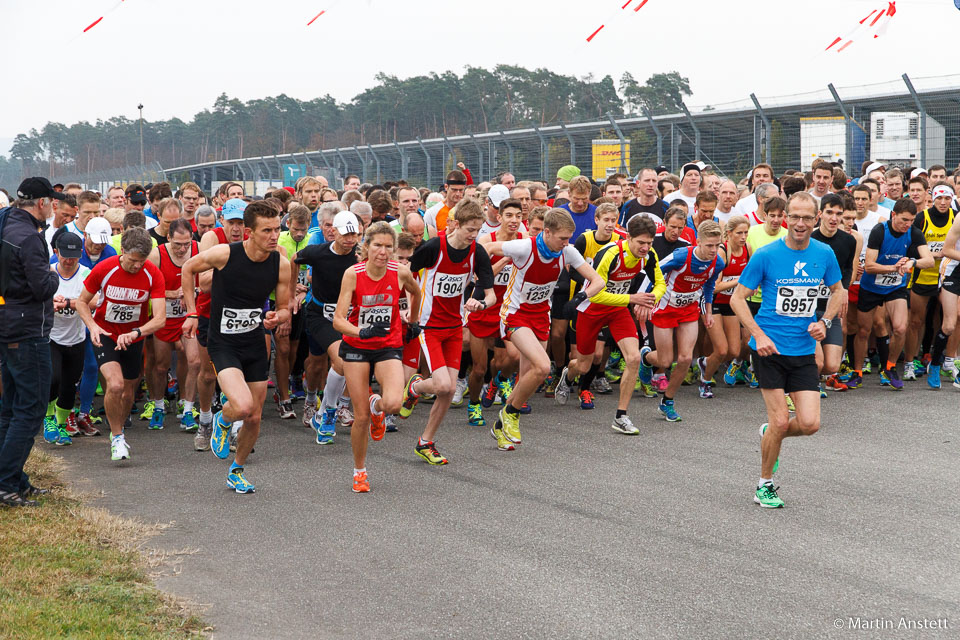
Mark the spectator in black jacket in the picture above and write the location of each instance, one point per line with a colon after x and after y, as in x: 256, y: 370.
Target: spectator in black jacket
x: 27, y: 286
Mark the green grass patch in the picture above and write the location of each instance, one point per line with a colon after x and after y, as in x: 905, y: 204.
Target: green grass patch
x: 68, y: 570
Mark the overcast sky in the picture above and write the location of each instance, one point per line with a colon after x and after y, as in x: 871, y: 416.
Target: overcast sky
x: 176, y: 56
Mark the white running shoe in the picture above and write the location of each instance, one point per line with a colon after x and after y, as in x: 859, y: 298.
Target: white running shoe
x: 309, y: 410
x: 119, y: 450
x: 909, y: 373
x: 458, y: 394
x: 562, y: 394
x: 345, y: 416
x: 625, y: 425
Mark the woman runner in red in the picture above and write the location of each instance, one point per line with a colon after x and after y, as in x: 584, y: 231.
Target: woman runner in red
x: 373, y: 336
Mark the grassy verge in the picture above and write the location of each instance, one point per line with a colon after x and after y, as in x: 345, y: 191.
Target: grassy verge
x: 68, y: 570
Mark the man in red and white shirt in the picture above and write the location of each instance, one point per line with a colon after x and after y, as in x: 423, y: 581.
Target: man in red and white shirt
x: 525, y: 313
x: 130, y: 288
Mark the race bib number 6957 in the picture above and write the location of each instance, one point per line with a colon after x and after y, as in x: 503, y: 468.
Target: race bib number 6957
x: 798, y: 301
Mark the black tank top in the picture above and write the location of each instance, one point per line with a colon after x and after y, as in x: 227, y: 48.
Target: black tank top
x: 238, y: 295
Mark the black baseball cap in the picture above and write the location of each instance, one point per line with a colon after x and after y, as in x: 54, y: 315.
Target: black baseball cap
x: 661, y: 168
x: 138, y: 197
x: 69, y: 245
x: 33, y: 188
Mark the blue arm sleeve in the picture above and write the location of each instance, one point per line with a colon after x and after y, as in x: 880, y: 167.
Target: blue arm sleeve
x: 675, y: 261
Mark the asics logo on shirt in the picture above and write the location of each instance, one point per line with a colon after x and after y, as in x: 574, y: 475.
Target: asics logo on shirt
x: 798, y: 268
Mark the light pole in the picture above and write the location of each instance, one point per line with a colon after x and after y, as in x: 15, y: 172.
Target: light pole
x: 140, y: 107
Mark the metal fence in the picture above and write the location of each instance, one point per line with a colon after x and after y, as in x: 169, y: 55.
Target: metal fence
x: 902, y: 122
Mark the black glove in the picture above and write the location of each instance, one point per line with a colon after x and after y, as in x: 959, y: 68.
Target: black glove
x: 376, y: 330
x: 570, y: 309
x: 413, y: 330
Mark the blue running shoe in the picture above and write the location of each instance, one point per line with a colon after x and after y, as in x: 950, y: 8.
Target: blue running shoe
x: 668, y: 411
x: 51, y: 432
x: 645, y: 372
x: 188, y: 423
x: 63, y: 438
x: 156, y: 419
x: 326, y: 427
x: 884, y: 378
x: 933, y: 377
x: 855, y: 381
x: 730, y: 375
x: 752, y: 379
x: 220, y: 437
x: 238, y: 483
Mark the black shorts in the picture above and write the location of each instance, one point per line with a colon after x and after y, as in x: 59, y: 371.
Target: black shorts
x: 834, y: 333
x: 203, y: 330
x: 754, y: 307
x: 296, y: 322
x: 130, y: 359
x: 951, y: 284
x: 790, y: 373
x: 560, y: 299
x: 926, y: 290
x: 354, y: 354
x: 251, y: 358
x: 320, y: 332
x: 868, y: 300
x: 722, y: 309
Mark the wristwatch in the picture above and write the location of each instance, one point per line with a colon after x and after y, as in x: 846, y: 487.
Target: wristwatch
x: 140, y: 333
x: 827, y: 322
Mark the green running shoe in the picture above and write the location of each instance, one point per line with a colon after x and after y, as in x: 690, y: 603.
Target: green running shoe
x: 475, y: 415
x: 766, y: 496
x: 147, y: 410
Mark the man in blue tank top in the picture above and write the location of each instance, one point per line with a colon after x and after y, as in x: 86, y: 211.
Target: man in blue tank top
x: 785, y: 332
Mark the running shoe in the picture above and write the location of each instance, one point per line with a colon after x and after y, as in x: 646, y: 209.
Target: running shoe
x: 409, y: 396
x: 489, y: 395
x: 752, y: 379
x: 600, y: 385
x: 705, y: 391
x: 188, y: 424
x: 326, y: 427
x: 884, y: 378
x: 73, y: 427
x: 378, y: 425
x: 875, y: 361
x: 833, y: 382
x: 908, y: 371
x: 669, y: 411
x: 84, y: 424
x: 763, y: 429
x: 429, y: 398
x: 503, y: 444
x: 692, y: 375
x: 285, y: 409
x: 296, y: 387
x: 855, y: 381
x: 766, y: 496
x: 391, y: 423
x: 730, y: 375
x: 895, y: 382
x: 510, y: 423
x: 613, y: 362
x: 220, y: 437
x: 505, y: 387
x: 933, y: 377
x: 624, y: 425
x: 475, y: 415
x: 458, y: 393
x: 956, y: 381
x: 845, y: 372
x: 63, y: 438
x: 345, y: 415
x: 99, y: 391
x: 823, y: 392
x: 562, y: 391
x: 949, y: 367
x: 201, y: 441
x: 238, y: 483
x: 119, y: 450
x: 586, y: 399
x: 147, y: 411
x: 645, y: 372
x: 550, y: 385
x: 790, y: 406
x: 661, y: 383
x: 613, y: 374
x: 172, y: 386
x: 360, y: 482
x: 51, y: 431
x: 646, y: 390
x: 429, y: 453
x: 156, y: 420
x: 702, y: 366
x: 867, y: 366
x: 309, y: 410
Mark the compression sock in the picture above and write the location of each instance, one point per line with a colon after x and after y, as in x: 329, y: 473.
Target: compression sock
x: 466, y: 362
x: 851, y: 338
x: 51, y: 408
x: 939, y: 346
x: 587, y: 378
x: 62, y: 415
x: 883, y: 349
x: 336, y: 383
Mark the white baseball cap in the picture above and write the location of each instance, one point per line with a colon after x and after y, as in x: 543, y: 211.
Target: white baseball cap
x: 497, y: 194
x: 345, y: 222
x: 918, y: 171
x: 873, y: 166
x: 98, y: 230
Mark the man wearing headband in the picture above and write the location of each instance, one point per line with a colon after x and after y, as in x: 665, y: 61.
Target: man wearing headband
x: 934, y: 223
x: 436, y: 216
x: 690, y: 180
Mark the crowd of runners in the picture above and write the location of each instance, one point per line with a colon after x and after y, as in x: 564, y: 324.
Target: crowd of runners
x: 350, y: 307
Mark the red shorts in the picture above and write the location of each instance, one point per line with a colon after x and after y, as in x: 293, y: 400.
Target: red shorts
x: 619, y: 320
x: 442, y: 347
x: 482, y: 326
x: 672, y: 317
x: 411, y: 354
x: 854, y: 293
x: 539, y: 323
x: 170, y: 332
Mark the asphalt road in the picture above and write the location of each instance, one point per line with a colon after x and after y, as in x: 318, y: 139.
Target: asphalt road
x: 580, y: 533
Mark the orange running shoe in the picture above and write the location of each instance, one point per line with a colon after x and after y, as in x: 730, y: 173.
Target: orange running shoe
x: 833, y: 382
x: 360, y: 482
x: 378, y: 425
